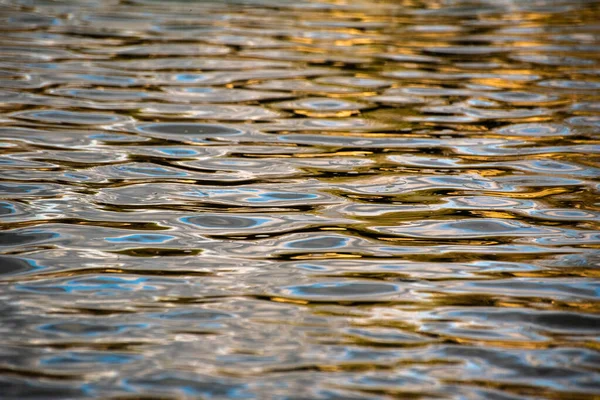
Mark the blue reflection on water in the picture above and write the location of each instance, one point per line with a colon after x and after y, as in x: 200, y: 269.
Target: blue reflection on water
x: 190, y: 78
x: 11, y: 188
x: 75, y: 358
x: 7, y: 208
x: 311, y: 267
x: 281, y: 196
x: 148, y: 238
x: 18, y: 266
x: 174, y: 151
x: 113, y: 137
x: 346, y: 290
x: 100, y: 285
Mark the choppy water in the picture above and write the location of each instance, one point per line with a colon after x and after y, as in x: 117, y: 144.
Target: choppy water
x: 299, y: 199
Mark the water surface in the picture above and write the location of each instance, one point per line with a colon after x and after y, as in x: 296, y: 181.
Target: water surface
x: 305, y: 199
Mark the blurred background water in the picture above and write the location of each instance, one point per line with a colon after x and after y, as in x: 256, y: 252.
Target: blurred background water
x: 328, y: 199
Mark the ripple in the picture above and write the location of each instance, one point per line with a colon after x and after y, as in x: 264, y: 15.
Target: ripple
x: 101, y: 94
x: 193, y: 315
x: 7, y: 209
x: 428, y: 162
x: 535, y: 130
x: 541, y: 320
x: 148, y: 238
x: 87, y: 360
x: 70, y: 117
x: 399, y: 185
x: 322, y: 242
x: 254, y: 169
x: 322, y: 124
x: 410, y: 58
x: 565, y: 215
x: 168, y: 382
x: 218, y: 95
x: 227, y: 77
x: 571, y: 84
x: 163, y: 50
x: 397, y: 99
x: 172, y: 152
x: 546, y: 59
x: 301, y: 86
x: 466, y: 50
x: 225, y: 222
x: 188, y: 131
x: 467, y: 229
x: 139, y: 170
x: 214, y: 112
x: 191, y: 64
x: 77, y: 157
x: 566, y: 289
x: 10, y: 266
x: 367, y: 83
x: 593, y: 121
x: 489, y: 203
x: 71, y: 329
x: 101, y: 286
x: 248, y: 196
x: 20, y: 190
x: 523, y: 98
x: 555, y: 167
x: 354, y: 291
x: 291, y: 55
x: 26, y: 237
x: 322, y: 107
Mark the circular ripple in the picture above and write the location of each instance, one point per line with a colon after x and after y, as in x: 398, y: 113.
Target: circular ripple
x: 218, y: 95
x: 187, y: 131
x: 101, y: 94
x: 489, y: 202
x: 588, y: 120
x: 466, y: 50
x: 322, y: 242
x: 466, y: 229
x: 571, y: 84
x: 207, y: 111
x: 147, y: 238
x: 552, y: 60
x: 565, y: 215
x: 367, y: 83
x: 322, y: 106
x: 168, y: 50
x: 522, y: 97
x: 340, y: 291
x: 192, y: 315
x: 224, y: 221
x: 535, y: 129
x: 69, y: 117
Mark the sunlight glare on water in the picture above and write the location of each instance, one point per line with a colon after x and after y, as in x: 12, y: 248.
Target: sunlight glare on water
x: 299, y: 199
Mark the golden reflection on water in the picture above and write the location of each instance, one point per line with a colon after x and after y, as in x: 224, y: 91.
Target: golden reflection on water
x: 303, y: 199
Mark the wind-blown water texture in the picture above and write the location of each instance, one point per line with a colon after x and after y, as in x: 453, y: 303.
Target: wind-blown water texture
x: 303, y: 199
